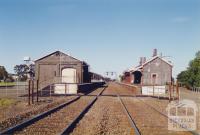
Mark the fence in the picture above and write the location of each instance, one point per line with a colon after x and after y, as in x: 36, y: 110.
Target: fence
x: 196, y: 89
x: 25, y: 92
x: 18, y: 90
x: 30, y: 91
x: 13, y: 99
x: 170, y: 90
x: 193, y: 89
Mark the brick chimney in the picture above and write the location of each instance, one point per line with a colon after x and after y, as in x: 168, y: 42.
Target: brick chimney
x: 155, y: 52
x: 144, y: 60
x: 141, y: 61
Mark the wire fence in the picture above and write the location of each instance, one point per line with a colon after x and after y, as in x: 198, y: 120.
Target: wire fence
x: 196, y: 89
x: 18, y: 90
x: 193, y: 89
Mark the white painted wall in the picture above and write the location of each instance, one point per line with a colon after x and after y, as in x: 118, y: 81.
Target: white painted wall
x: 158, y: 90
x: 70, y: 89
x: 69, y: 75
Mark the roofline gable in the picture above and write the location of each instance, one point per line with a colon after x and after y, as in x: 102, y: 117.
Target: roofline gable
x: 170, y: 64
x: 137, y: 68
x: 55, y: 53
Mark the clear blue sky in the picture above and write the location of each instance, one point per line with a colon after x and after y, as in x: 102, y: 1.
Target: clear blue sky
x: 110, y: 35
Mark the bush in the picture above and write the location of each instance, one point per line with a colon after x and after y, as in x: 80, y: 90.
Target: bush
x: 6, y: 102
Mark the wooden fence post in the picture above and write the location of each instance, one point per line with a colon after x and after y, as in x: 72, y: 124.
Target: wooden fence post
x: 32, y: 92
x: 177, y: 90
x: 65, y: 89
x: 170, y: 92
x: 29, y: 92
x: 50, y: 90
x: 37, y: 90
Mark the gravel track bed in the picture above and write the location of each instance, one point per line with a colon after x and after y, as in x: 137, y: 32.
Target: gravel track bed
x: 97, y: 91
x: 148, y: 120
x: 190, y: 95
x: 21, y: 112
x: 105, y: 117
x: 114, y: 88
x: 57, y: 122
x: 160, y: 105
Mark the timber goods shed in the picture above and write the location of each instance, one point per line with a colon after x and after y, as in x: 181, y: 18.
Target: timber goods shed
x: 60, y: 68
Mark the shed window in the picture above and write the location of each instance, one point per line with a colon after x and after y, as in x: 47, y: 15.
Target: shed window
x: 154, y: 79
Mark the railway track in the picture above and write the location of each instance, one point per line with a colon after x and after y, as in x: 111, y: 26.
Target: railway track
x: 164, y: 115
x: 147, y: 119
x: 65, y: 119
x: 105, y: 117
x: 59, y: 120
x: 131, y: 120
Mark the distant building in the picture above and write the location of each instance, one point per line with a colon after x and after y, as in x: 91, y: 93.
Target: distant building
x: 155, y: 71
x: 14, y: 76
x: 127, y: 77
x: 96, y: 77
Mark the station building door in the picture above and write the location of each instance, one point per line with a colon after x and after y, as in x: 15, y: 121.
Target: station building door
x: 69, y: 75
x: 69, y: 84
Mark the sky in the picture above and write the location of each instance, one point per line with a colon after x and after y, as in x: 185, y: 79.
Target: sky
x: 110, y: 35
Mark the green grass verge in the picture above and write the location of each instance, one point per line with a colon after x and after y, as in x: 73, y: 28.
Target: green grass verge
x: 5, y: 102
x: 3, y: 84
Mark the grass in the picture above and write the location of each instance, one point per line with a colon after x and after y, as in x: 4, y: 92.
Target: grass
x: 5, y: 102
x: 3, y: 84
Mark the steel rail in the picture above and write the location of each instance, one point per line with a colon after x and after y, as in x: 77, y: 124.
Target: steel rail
x: 37, y: 117
x: 131, y: 120
x: 138, y: 96
x: 156, y: 110
x: 73, y: 124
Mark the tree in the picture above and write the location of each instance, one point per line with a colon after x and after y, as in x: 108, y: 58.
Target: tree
x: 183, y: 77
x: 32, y: 70
x: 3, y: 73
x: 194, y: 72
x: 198, y: 55
x: 22, y: 71
x: 191, y: 76
x: 9, y: 79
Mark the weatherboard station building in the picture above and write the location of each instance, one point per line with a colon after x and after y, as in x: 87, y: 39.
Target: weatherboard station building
x: 156, y: 71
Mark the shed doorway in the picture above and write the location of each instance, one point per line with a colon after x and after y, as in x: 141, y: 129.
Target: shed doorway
x: 154, y: 79
x: 137, y: 77
x: 69, y: 75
